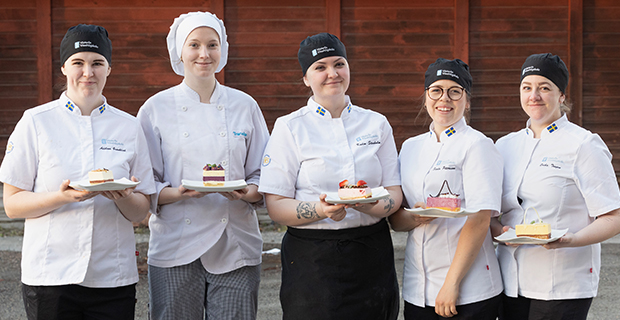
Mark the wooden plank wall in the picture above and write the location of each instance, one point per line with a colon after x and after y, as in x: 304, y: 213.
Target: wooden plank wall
x: 502, y: 34
x: 390, y: 44
x: 601, y: 72
x: 18, y: 64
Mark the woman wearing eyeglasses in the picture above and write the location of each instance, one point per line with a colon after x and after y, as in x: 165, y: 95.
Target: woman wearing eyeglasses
x: 451, y: 270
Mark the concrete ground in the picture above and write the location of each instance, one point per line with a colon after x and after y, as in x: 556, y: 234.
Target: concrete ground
x: 604, y: 307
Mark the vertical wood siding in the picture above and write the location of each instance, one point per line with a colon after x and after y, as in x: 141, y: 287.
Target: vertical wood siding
x: 18, y: 64
x: 390, y: 43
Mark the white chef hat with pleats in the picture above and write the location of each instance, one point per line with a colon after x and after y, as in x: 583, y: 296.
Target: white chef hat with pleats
x: 183, y: 26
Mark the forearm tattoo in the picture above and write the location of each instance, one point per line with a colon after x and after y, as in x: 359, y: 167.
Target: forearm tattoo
x: 307, y: 210
x: 389, y: 204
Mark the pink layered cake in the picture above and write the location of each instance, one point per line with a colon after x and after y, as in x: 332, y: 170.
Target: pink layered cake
x: 354, y: 191
x: 445, y: 201
x: 213, y: 175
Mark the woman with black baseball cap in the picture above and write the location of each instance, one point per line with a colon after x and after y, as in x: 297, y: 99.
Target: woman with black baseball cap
x: 450, y: 266
x: 337, y: 257
x: 78, y: 258
x: 564, y: 173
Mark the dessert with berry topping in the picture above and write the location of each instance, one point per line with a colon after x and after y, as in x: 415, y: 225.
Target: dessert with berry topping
x: 213, y: 175
x: 100, y: 176
x: 445, y: 201
x: 354, y: 191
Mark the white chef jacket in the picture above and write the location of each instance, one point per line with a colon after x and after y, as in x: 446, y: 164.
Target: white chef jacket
x: 183, y: 135
x: 88, y: 243
x: 472, y: 166
x: 310, y: 152
x: 568, y: 177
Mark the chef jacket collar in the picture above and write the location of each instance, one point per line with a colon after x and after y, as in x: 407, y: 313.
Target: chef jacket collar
x: 194, y: 96
x: 550, y: 129
x: 450, y: 132
x: 321, y: 112
x: 71, y: 107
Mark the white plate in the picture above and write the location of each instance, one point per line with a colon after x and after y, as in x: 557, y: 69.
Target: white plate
x: 377, y: 194
x: 200, y: 187
x: 511, y: 237
x: 119, y: 184
x: 440, y: 213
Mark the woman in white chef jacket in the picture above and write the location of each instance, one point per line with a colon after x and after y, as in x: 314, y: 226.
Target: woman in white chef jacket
x: 565, y: 173
x: 205, y: 248
x: 450, y: 266
x: 337, y: 260
x: 78, y: 258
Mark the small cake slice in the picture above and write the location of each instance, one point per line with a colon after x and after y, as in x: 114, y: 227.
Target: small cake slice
x: 213, y: 175
x: 357, y: 191
x: 445, y: 201
x: 538, y: 230
x: 100, y: 176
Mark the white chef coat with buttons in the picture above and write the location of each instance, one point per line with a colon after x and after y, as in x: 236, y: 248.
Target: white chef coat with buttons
x: 184, y: 135
x: 88, y: 243
x: 567, y: 176
x: 310, y: 152
x: 472, y: 167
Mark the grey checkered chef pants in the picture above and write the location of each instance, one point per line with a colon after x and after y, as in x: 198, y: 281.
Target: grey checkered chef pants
x: 191, y: 292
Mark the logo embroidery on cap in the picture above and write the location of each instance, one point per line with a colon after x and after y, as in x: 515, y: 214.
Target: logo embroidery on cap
x: 447, y: 73
x: 266, y: 160
x: 70, y: 106
x: 552, y: 128
x: 529, y: 69
x: 450, y: 131
x: 85, y: 44
x: 320, y: 110
x: 321, y: 50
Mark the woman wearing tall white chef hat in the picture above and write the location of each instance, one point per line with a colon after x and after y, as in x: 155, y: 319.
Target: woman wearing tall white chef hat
x: 205, y: 247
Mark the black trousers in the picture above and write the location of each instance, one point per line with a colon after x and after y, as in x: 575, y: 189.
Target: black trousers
x: 522, y: 308
x: 339, y: 274
x: 74, y: 302
x: 481, y: 310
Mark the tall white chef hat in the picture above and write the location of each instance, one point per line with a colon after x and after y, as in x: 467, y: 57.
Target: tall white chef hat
x: 183, y: 26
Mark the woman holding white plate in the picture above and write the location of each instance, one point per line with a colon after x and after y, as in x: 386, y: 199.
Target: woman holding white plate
x: 564, y: 172
x: 451, y: 270
x: 78, y: 257
x: 205, y: 247
x: 337, y: 259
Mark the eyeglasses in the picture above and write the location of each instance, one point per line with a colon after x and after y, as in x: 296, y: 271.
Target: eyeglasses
x: 454, y: 93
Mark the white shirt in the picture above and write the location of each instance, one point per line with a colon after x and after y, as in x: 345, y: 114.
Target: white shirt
x: 88, y: 243
x: 471, y: 165
x: 184, y: 135
x: 310, y: 152
x: 568, y: 177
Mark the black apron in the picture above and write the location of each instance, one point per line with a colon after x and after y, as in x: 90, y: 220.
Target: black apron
x: 339, y: 274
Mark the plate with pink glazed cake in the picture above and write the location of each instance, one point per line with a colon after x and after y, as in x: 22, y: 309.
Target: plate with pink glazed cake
x: 356, y: 193
x: 443, y: 205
